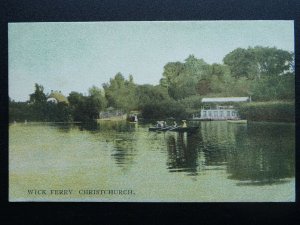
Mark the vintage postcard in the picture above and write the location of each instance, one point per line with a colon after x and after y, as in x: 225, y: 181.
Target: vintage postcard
x: 144, y: 111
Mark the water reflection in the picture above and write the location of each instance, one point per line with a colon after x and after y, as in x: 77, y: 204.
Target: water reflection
x: 116, y: 126
x: 62, y: 127
x: 119, y: 137
x: 124, y: 152
x: 264, y: 154
x: 183, y: 153
x: 253, y: 154
x: 213, y: 164
x: 218, y: 139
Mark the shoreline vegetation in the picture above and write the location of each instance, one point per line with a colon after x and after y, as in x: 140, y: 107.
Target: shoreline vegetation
x: 266, y: 74
x: 278, y: 111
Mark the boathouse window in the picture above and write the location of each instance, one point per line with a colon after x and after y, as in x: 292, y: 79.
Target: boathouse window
x: 215, y: 113
x: 221, y: 113
x: 209, y: 113
x: 228, y: 113
x: 204, y: 113
x: 233, y: 113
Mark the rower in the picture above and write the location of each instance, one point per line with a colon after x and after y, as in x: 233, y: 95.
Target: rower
x: 158, y: 124
x: 164, y: 124
x: 184, y: 123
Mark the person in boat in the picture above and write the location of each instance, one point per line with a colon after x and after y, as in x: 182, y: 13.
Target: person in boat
x: 160, y: 124
x: 184, y: 123
x: 164, y: 123
x: 157, y: 123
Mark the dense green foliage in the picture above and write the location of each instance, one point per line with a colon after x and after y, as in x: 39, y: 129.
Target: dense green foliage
x: 265, y: 74
x: 268, y: 111
x: 38, y: 96
x: 258, y: 62
x: 121, y: 93
x: 39, y: 111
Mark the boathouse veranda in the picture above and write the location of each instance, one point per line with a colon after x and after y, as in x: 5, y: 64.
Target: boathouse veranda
x: 220, y: 108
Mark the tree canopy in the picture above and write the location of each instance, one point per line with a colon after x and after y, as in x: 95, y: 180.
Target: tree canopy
x: 258, y: 62
x: 265, y: 73
x: 38, y: 96
x: 121, y: 93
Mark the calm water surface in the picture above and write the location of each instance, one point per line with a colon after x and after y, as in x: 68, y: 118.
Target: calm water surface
x: 220, y: 162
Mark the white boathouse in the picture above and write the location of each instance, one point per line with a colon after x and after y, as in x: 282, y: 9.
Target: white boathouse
x: 220, y: 108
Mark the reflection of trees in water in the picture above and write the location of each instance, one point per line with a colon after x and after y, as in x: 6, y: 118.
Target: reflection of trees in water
x: 209, y: 147
x: 62, y: 127
x: 264, y: 154
x: 117, y: 126
x: 257, y: 153
x: 124, y: 152
x: 218, y: 138
x: 90, y: 126
x: 119, y: 135
x: 183, y: 153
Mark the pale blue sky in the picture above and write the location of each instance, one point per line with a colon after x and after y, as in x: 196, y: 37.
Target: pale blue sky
x: 75, y: 56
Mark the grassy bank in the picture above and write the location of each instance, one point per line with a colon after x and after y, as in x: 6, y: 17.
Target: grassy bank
x: 277, y: 111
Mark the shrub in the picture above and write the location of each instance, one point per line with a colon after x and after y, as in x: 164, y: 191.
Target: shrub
x: 268, y: 111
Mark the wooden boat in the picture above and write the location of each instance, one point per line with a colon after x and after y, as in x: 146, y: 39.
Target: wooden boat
x: 160, y: 128
x: 174, y: 129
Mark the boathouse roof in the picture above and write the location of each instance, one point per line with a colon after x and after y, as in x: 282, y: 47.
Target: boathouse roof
x: 226, y: 99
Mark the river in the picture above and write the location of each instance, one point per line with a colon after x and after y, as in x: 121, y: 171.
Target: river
x: 221, y: 162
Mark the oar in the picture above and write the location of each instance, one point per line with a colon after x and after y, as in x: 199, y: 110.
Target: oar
x: 174, y: 128
x: 164, y: 128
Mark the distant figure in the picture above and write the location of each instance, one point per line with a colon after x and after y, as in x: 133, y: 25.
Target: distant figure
x: 174, y: 124
x: 25, y: 121
x: 184, y: 123
x: 165, y: 123
x: 15, y: 122
x: 135, y: 118
x: 158, y: 124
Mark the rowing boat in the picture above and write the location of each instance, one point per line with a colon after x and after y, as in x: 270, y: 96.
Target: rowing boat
x: 159, y: 128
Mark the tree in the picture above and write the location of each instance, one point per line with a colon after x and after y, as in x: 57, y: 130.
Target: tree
x: 78, y: 106
x: 274, y: 88
x: 181, y: 78
x: 148, y: 94
x: 172, y: 70
x: 242, y: 63
x: 96, y: 100
x: 38, y: 96
x: 203, y: 86
x: 121, y: 93
x: 271, y: 61
x: 258, y: 62
x: 75, y: 98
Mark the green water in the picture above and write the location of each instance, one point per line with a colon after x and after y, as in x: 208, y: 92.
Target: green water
x: 221, y: 162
